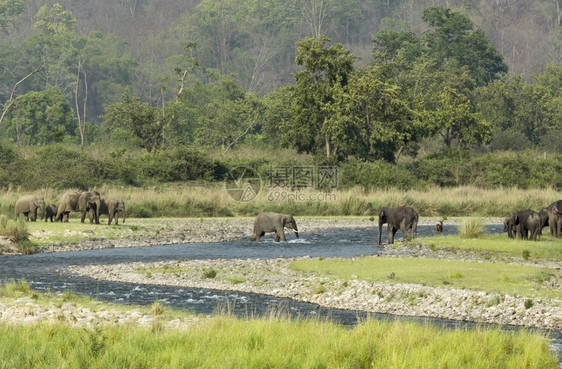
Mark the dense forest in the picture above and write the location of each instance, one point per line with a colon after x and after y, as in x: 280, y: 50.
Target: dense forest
x: 404, y: 90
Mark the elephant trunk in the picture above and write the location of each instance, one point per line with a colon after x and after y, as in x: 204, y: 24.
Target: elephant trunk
x: 124, y: 213
x: 380, y: 231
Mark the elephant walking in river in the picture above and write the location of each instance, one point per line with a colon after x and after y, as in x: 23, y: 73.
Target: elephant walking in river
x: 273, y: 222
x: 402, y: 218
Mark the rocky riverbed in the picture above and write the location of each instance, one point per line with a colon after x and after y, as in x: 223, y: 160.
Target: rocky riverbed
x: 274, y: 277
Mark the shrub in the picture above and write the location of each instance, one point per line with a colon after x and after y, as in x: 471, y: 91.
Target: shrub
x: 471, y: 228
x: 211, y: 273
x: 528, y: 304
x: 526, y: 254
x: 16, y: 230
x: 377, y: 174
x: 139, y: 212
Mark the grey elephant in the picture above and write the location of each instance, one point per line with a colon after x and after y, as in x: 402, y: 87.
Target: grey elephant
x: 51, y: 212
x: 555, y: 218
x: 510, y: 228
x: 402, y: 218
x: 30, y: 204
x: 543, y: 215
x: 273, y: 222
x: 111, y: 208
x: 79, y: 201
x: 527, y: 223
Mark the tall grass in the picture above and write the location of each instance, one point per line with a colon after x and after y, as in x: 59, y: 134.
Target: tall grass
x: 17, y: 232
x: 225, y: 342
x: 210, y: 200
x: 471, y: 228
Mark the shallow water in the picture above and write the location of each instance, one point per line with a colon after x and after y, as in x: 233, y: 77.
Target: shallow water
x: 41, y: 272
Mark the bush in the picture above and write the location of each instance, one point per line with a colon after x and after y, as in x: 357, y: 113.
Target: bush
x: 210, y: 274
x: 471, y: 228
x: 180, y: 164
x: 16, y: 230
x: 378, y: 174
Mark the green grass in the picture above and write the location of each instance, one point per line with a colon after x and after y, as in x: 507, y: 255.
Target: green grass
x: 269, y: 342
x: 546, y: 248
x: 488, y: 277
x: 225, y: 342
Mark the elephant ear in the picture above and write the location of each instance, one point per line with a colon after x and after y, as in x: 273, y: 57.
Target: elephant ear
x: 284, y: 220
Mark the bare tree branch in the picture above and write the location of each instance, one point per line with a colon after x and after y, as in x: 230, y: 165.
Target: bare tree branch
x: 11, y: 100
x: 239, y: 137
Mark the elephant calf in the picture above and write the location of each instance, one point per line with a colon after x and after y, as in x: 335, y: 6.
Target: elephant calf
x: 111, y: 208
x: 51, y: 212
x: 526, y: 223
x: 402, y: 218
x: 273, y: 222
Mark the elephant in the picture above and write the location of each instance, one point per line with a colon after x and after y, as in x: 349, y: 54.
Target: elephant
x: 79, y: 201
x: 526, y: 221
x: 273, y: 222
x: 510, y: 228
x: 402, y: 218
x: 51, y: 212
x: 543, y: 215
x: 29, y: 204
x: 111, y: 208
x: 555, y: 218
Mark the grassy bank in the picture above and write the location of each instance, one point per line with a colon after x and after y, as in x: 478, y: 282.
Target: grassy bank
x: 274, y: 343
x: 212, y: 200
x: 487, y: 277
x: 547, y: 248
x: 269, y: 342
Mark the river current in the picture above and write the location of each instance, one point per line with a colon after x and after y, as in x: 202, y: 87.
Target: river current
x: 41, y: 272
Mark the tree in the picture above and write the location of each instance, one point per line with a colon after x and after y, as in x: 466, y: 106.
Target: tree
x: 10, y: 10
x: 311, y: 130
x: 228, y: 116
x: 458, y: 122
x: 144, y: 120
x: 451, y: 36
x: 40, y: 118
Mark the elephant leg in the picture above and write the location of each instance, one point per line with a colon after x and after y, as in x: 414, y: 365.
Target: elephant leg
x: 391, y: 233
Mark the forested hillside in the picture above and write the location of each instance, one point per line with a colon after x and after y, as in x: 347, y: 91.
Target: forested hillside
x: 355, y: 83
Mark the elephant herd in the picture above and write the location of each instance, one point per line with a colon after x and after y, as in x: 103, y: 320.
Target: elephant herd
x: 525, y: 223
x: 529, y: 224
x: 87, y: 203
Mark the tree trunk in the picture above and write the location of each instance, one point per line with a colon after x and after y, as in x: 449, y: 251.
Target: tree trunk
x: 76, y: 90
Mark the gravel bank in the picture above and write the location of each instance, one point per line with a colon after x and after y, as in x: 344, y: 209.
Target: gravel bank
x: 273, y: 277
